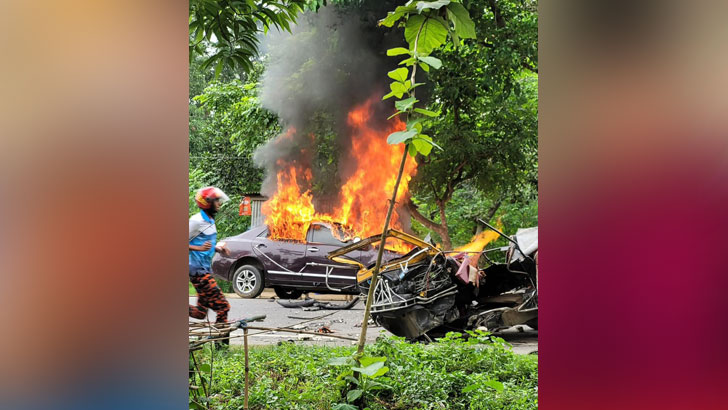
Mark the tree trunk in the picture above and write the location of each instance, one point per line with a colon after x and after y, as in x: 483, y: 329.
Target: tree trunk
x: 499, y: 22
x: 493, y: 209
x: 441, y: 228
x: 445, y: 235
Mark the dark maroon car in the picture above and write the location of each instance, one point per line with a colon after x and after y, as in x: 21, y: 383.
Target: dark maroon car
x: 290, y: 268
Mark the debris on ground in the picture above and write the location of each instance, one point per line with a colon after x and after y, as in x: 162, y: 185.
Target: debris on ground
x: 324, y: 329
x: 313, y: 304
x: 370, y: 323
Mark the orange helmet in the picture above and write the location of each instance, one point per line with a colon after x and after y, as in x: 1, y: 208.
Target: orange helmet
x: 205, y: 196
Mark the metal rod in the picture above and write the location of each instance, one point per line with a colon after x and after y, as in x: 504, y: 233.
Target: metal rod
x: 271, y: 329
x: 498, y: 232
x: 247, y: 368
x: 507, y: 238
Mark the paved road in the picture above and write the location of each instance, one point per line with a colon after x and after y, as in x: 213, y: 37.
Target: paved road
x: 341, y: 322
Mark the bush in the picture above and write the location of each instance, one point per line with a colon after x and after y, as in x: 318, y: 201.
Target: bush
x: 472, y: 372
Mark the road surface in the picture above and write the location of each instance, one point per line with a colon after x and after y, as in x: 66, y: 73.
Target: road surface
x: 341, y: 322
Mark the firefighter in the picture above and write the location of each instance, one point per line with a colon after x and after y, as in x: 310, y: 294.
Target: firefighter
x: 202, y: 247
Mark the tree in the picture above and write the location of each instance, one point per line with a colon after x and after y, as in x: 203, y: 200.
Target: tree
x: 487, y: 93
x: 229, y: 29
x: 227, y: 124
x: 427, y: 25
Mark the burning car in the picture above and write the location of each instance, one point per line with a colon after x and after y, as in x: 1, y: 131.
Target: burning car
x: 428, y: 292
x: 291, y: 267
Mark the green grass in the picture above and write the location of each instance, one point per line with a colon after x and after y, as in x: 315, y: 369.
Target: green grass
x: 225, y: 286
x: 453, y: 373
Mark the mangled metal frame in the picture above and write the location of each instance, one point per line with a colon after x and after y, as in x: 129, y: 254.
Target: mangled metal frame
x: 437, y: 299
x: 365, y: 273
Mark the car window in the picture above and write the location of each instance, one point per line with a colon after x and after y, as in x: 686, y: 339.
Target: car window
x: 322, y: 234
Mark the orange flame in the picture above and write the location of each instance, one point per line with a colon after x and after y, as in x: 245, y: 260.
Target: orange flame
x: 479, y: 241
x: 362, y: 202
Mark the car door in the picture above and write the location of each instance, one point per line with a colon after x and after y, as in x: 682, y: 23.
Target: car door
x: 284, y: 261
x: 320, y: 241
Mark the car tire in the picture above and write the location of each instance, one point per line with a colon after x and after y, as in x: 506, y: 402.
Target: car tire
x: 288, y: 293
x: 247, y: 281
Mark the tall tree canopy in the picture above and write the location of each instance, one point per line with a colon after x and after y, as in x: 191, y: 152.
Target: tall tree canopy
x: 486, y: 91
x: 228, y: 30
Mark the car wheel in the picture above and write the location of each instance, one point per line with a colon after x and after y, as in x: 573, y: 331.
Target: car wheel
x: 247, y: 281
x: 287, y: 293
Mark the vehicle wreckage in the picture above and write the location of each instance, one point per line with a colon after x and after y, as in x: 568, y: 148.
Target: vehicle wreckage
x: 428, y: 292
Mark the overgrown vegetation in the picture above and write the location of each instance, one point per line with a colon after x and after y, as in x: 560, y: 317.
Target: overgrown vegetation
x: 486, y: 91
x: 456, y: 372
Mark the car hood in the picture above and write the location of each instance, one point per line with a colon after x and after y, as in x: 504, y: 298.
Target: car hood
x: 420, y: 250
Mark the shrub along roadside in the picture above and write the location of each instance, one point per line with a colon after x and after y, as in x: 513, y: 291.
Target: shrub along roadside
x: 456, y: 372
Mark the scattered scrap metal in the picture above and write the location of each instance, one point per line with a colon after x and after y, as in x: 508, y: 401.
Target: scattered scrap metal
x: 313, y: 304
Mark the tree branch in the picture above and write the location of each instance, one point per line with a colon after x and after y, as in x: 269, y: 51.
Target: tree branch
x: 499, y: 21
x: 529, y: 67
x: 412, y: 208
x: 454, y: 182
x: 493, y: 209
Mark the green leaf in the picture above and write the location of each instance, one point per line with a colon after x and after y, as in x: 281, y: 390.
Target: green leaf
x: 200, y: 33
x: 397, y: 51
x: 366, y: 361
x: 409, y: 61
x: 435, y: 5
x: 422, y: 146
x: 412, y: 150
x: 494, y: 384
x: 374, y: 369
x: 342, y: 406
x: 389, y: 95
x: 380, y: 372
x: 353, y: 395
x: 427, y: 112
x: 425, y: 67
x: 399, y: 137
x: 433, y: 62
x: 395, y: 15
x: 352, y: 380
x: 399, y: 74
x: 404, y: 105
x: 398, y: 89
x: 340, y: 361
x: 413, y: 121
x: 218, y: 68
x: 432, y: 35
x: 470, y: 388
x: 455, y: 38
x: 205, y: 367
x: 464, y: 26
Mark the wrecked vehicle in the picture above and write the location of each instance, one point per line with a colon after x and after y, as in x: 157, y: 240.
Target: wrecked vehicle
x: 256, y: 261
x: 428, y: 292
